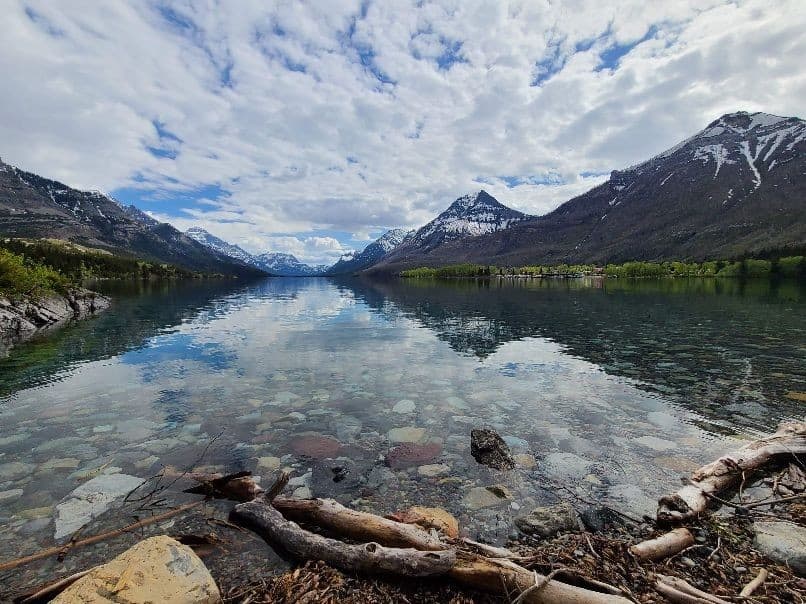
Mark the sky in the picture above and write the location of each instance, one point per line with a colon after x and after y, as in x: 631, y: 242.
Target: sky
x: 312, y: 127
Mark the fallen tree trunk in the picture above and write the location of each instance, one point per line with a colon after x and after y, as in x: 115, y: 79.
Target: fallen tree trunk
x: 493, y: 574
x: 496, y: 575
x: 360, y: 526
x: 366, y: 557
x: 667, y: 544
x: 692, y: 499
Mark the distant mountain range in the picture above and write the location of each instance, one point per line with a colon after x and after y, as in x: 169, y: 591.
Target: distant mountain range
x: 35, y: 207
x: 358, y: 261
x: 735, y: 188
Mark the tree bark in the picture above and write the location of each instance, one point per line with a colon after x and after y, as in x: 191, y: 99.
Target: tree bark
x: 692, y: 499
x: 667, y: 544
x: 360, y: 526
x: 495, y: 575
x: 366, y: 557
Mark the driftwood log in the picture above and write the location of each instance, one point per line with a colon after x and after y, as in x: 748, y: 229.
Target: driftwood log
x: 366, y: 557
x: 692, y: 499
x: 489, y: 574
x: 666, y: 545
x: 361, y: 526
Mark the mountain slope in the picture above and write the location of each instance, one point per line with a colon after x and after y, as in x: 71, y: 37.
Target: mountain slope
x: 737, y: 187
x: 466, y: 218
x: 287, y: 265
x: 372, y: 254
x: 220, y: 246
x: 35, y: 207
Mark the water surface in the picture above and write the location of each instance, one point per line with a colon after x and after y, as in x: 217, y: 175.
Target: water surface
x: 611, y: 390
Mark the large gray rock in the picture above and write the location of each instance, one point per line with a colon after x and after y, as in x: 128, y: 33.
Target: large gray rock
x: 547, y: 521
x: 90, y: 500
x: 783, y: 542
x: 159, y: 569
x: 488, y: 448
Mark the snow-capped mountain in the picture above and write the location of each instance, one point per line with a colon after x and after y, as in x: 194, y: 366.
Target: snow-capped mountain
x: 468, y: 216
x: 735, y: 188
x: 287, y: 265
x: 353, y: 262
x: 32, y: 206
x: 221, y: 246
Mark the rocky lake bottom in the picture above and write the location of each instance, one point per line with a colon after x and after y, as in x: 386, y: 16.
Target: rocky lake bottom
x: 604, y: 391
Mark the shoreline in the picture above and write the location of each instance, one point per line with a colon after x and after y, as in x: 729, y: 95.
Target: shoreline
x: 26, y: 318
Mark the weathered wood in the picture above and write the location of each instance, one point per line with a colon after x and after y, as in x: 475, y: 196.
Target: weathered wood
x: 490, y: 574
x: 495, y: 575
x: 754, y: 584
x: 678, y: 591
x: 360, y: 526
x: 692, y: 499
x: 366, y: 557
x: 667, y: 544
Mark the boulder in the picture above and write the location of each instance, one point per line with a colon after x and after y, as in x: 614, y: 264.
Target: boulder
x: 783, y: 542
x: 488, y: 448
x: 159, y: 569
x: 547, y: 521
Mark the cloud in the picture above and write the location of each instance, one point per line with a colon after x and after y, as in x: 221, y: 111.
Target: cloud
x: 273, y: 122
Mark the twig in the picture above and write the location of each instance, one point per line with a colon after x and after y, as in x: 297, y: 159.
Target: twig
x: 754, y: 584
x: 54, y: 551
x: 53, y: 587
x: 278, y: 486
x: 716, y: 549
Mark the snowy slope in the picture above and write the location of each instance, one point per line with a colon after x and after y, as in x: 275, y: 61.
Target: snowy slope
x: 287, y: 265
x: 370, y: 255
x: 222, y: 247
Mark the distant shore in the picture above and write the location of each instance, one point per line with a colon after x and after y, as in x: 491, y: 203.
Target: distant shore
x: 786, y: 267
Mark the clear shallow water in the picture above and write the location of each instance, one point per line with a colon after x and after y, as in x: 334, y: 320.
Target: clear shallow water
x: 610, y: 389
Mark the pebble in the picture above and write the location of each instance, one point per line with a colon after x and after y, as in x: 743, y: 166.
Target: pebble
x: 404, y: 406
x: 688, y: 562
x: 10, y: 494
x: 408, y: 434
x: 434, y: 469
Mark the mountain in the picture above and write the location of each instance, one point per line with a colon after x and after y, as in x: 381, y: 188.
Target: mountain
x: 35, y: 207
x: 372, y: 254
x: 222, y: 247
x: 735, y: 188
x: 468, y: 217
x: 287, y: 265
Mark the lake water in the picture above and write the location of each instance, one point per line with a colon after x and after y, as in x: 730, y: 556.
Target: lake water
x: 611, y: 390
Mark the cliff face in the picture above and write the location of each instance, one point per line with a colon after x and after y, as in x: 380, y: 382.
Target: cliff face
x: 22, y: 319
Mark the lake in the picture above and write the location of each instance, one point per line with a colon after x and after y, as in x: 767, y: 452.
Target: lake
x: 604, y: 390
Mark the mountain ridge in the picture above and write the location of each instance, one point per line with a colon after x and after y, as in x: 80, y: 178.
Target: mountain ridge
x: 32, y: 206
x: 736, y: 187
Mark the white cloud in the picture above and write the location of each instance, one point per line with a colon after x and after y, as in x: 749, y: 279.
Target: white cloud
x: 344, y: 116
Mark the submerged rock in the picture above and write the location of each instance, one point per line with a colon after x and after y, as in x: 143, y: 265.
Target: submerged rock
x: 407, y: 434
x: 315, y: 445
x: 488, y: 448
x: 412, y: 454
x: 484, y: 497
x: 547, y: 521
x: 90, y: 500
x: 783, y: 542
x: 159, y: 569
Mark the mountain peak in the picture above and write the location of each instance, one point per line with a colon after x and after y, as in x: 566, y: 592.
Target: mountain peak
x: 743, y: 121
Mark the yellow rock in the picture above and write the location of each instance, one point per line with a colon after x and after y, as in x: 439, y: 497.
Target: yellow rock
x: 429, y: 518
x: 796, y: 396
x: 524, y: 460
x: 159, y: 569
